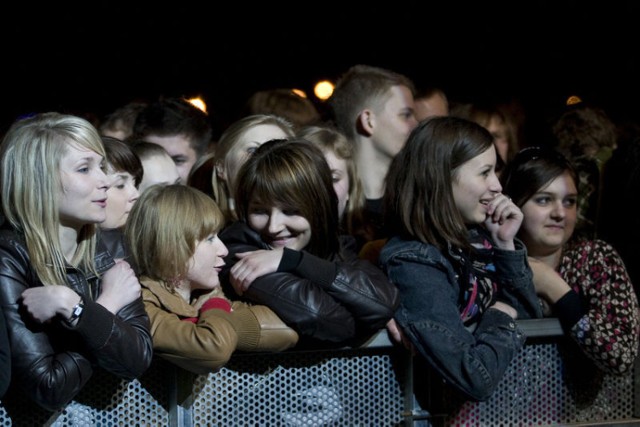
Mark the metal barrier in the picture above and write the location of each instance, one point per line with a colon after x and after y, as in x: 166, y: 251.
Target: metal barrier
x: 369, y: 386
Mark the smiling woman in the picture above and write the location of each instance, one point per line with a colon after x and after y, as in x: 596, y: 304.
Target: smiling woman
x: 286, y: 251
x: 462, y: 275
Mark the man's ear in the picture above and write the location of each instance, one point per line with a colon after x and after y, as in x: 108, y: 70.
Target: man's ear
x: 366, y: 122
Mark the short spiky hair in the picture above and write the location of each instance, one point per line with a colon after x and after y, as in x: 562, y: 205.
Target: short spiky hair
x: 361, y: 87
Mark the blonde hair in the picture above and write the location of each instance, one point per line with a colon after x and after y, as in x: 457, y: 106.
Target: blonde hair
x: 330, y: 139
x: 228, y: 140
x: 164, y: 226
x: 31, y: 183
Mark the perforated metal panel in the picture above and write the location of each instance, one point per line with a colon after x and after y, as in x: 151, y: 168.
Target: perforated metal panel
x: 533, y: 393
x: 350, y: 388
x: 105, y: 401
x: 317, y: 389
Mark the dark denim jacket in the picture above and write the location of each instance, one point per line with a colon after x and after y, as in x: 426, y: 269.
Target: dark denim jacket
x: 471, y: 359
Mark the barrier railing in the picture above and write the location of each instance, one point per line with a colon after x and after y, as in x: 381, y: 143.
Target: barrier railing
x: 368, y: 386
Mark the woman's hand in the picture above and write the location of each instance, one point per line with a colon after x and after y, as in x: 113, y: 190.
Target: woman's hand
x: 45, y: 302
x: 505, y: 308
x: 253, y: 265
x: 503, y: 221
x: 119, y: 287
x: 397, y: 336
x: 548, y: 283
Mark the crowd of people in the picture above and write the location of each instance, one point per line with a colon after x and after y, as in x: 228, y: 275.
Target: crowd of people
x: 399, y: 210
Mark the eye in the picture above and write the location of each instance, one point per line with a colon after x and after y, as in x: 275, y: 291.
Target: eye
x: 178, y: 160
x: 542, y: 200
x: 251, y: 150
x: 291, y: 212
x: 257, y: 210
x: 570, y: 202
x: 211, y: 238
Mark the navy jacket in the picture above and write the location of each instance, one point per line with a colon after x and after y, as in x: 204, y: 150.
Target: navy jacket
x: 472, y: 358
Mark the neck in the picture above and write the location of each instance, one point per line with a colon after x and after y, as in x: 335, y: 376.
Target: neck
x: 68, y: 241
x: 552, y: 258
x: 183, y: 288
x: 372, y: 169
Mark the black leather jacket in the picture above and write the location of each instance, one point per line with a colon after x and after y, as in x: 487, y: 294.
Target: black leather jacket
x: 337, y: 301
x: 51, y: 361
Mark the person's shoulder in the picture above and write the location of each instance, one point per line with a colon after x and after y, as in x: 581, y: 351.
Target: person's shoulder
x: 399, y: 246
x: 590, y: 248
x: 10, y: 237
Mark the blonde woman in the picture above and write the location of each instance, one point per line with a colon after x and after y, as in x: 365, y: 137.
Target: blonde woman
x: 70, y: 308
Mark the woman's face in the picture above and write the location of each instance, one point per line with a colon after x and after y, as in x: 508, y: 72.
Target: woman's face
x: 340, y: 177
x: 83, y: 196
x: 279, y: 227
x: 121, y: 196
x: 475, y: 184
x: 206, y: 263
x: 550, y: 216
x: 244, y: 147
x: 159, y: 169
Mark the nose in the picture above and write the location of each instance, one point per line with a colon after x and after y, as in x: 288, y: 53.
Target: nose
x: 558, y: 211
x: 494, y: 183
x: 135, y: 193
x: 275, y: 224
x: 223, y: 250
x: 103, y: 181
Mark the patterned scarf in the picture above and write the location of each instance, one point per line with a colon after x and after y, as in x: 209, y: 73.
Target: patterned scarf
x: 478, y: 288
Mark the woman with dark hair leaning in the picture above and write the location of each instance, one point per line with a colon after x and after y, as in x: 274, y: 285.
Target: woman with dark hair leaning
x: 462, y: 275
x: 286, y: 251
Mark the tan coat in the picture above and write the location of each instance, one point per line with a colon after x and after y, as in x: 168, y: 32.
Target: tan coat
x: 207, y: 345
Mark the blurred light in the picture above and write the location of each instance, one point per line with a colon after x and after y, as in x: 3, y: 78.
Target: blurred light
x: 573, y: 99
x: 198, y: 103
x: 299, y: 92
x: 323, y: 89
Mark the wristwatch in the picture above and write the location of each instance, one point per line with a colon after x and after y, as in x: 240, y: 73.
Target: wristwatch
x: 76, y: 312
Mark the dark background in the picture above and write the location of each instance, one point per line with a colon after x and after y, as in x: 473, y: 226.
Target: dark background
x: 97, y: 57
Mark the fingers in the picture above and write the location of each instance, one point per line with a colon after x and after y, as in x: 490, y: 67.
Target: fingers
x: 502, y: 208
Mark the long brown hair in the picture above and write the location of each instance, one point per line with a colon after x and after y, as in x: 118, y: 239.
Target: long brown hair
x: 418, y: 199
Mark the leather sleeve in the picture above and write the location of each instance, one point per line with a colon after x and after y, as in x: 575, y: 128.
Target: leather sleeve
x: 49, y: 374
x: 51, y: 362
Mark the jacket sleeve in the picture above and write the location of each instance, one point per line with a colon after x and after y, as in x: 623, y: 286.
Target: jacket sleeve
x: 516, y: 281
x: 51, y: 362
x: 359, y: 286
x: 121, y: 344
x: 5, y: 357
x: 609, y: 331
x: 301, y: 303
x: 200, y: 347
x: 49, y: 375
x: 472, y: 362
